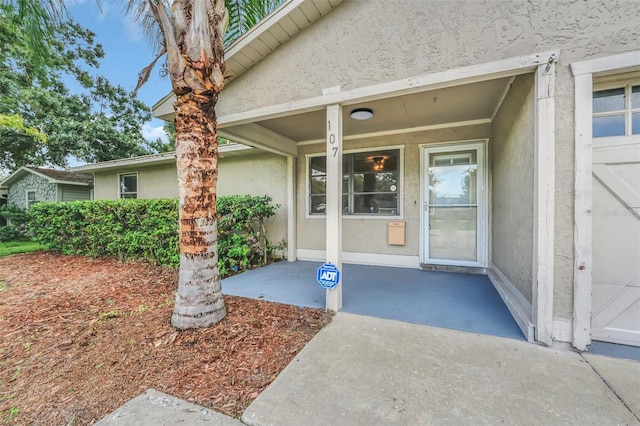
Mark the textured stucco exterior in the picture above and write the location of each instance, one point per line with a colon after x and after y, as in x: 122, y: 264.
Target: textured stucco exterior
x: 158, y: 181
x: 511, y: 154
x: 369, y: 235
x: 253, y: 174
x: 45, y: 191
x: 361, y: 43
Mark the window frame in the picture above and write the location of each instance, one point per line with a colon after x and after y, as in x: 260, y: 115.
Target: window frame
x: 26, y: 198
x: 137, y: 192
x: 372, y: 150
x: 627, y: 83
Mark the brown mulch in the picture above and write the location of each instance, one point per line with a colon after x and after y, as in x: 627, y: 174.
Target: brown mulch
x: 79, y: 337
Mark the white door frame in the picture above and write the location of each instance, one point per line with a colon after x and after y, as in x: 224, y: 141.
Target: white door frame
x: 583, y: 73
x: 482, y: 235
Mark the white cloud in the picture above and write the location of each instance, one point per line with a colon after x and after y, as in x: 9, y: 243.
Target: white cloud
x: 152, y: 133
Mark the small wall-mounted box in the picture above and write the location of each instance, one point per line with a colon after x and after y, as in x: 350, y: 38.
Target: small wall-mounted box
x: 396, y: 232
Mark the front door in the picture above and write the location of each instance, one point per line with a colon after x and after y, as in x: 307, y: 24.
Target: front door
x: 454, y: 205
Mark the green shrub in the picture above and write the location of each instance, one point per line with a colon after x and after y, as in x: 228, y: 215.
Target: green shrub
x: 148, y: 230
x: 17, y: 228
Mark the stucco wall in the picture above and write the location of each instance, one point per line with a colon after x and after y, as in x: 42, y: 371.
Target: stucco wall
x: 369, y: 235
x: 158, y: 181
x: 366, y: 42
x: 512, y: 153
x: 45, y: 191
x: 262, y: 174
x: 254, y: 174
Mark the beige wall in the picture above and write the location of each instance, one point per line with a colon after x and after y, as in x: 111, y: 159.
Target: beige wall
x: 366, y: 42
x: 263, y: 174
x: 254, y: 174
x: 369, y: 235
x: 511, y: 162
x: 158, y: 181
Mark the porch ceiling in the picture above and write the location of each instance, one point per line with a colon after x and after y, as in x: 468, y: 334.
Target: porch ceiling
x: 468, y: 102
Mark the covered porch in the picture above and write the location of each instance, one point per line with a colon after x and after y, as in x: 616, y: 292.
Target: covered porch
x: 464, y: 302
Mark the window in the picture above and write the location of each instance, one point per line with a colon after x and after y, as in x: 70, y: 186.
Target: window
x: 370, y: 183
x: 31, y: 198
x: 616, y: 111
x: 129, y: 186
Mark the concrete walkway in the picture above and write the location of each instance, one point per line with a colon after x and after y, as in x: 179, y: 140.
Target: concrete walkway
x: 369, y: 371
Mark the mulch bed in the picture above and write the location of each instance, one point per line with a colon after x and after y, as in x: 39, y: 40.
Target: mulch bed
x: 79, y: 337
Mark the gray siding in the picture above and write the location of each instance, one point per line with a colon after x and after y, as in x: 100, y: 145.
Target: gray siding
x: 45, y: 191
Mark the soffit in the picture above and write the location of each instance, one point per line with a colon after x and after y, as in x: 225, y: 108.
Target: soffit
x: 455, y: 104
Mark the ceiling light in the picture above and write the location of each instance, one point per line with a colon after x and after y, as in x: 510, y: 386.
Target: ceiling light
x: 361, y: 114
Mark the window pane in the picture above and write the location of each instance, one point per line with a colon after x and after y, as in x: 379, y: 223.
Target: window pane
x: 375, y: 161
x: 318, y: 166
x: 31, y: 196
x: 635, y: 123
x: 610, y: 125
x: 132, y: 196
x: 608, y: 100
x: 375, y: 182
x: 318, y: 205
x: 128, y: 183
x: 383, y: 204
x: 318, y: 185
x: 635, y: 97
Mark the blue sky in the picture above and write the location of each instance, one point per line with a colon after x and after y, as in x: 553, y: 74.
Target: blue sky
x: 127, y: 52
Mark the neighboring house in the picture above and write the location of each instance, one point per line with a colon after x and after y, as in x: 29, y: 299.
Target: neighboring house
x: 29, y: 185
x: 3, y: 201
x: 242, y: 170
x: 494, y: 137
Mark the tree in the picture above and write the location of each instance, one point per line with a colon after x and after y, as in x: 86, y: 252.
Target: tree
x: 41, y: 122
x: 191, y: 34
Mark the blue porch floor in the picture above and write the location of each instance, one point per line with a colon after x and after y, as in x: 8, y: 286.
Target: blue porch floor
x: 441, y: 299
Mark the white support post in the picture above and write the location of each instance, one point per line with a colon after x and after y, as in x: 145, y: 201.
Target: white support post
x: 582, y: 281
x: 544, y: 204
x: 334, y: 200
x: 291, y: 210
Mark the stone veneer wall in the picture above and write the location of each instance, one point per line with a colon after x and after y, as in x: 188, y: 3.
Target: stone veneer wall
x: 45, y: 191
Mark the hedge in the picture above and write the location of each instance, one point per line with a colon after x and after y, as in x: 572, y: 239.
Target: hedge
x: 148, y: 230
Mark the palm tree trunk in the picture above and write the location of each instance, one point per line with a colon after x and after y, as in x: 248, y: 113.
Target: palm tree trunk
x: 199, y: 299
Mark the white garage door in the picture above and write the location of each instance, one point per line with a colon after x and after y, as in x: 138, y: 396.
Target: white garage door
x: 616, y: 243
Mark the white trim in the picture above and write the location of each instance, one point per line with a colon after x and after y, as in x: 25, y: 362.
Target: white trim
x: 544, y: 202
x: 480, y: 145
x: 517, y: 304
x: 291, y: 209
x: 607, y: 63
x: 333, y: 200
x: 405, y: 131
x: 582, y: 280
x: 357, y: 258
x: 399, y: 216
x: 26, y: 197
x: 162, y: 158
x: 453, y: 77
x: 583, y: 233
x: 502, y: 98
x: 137, y: 183
x: 165, y: 157
x: 562, y: 330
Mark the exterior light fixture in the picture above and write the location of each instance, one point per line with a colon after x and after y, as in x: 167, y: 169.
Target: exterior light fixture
x: 378, y: 163
x: 362, y: 113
